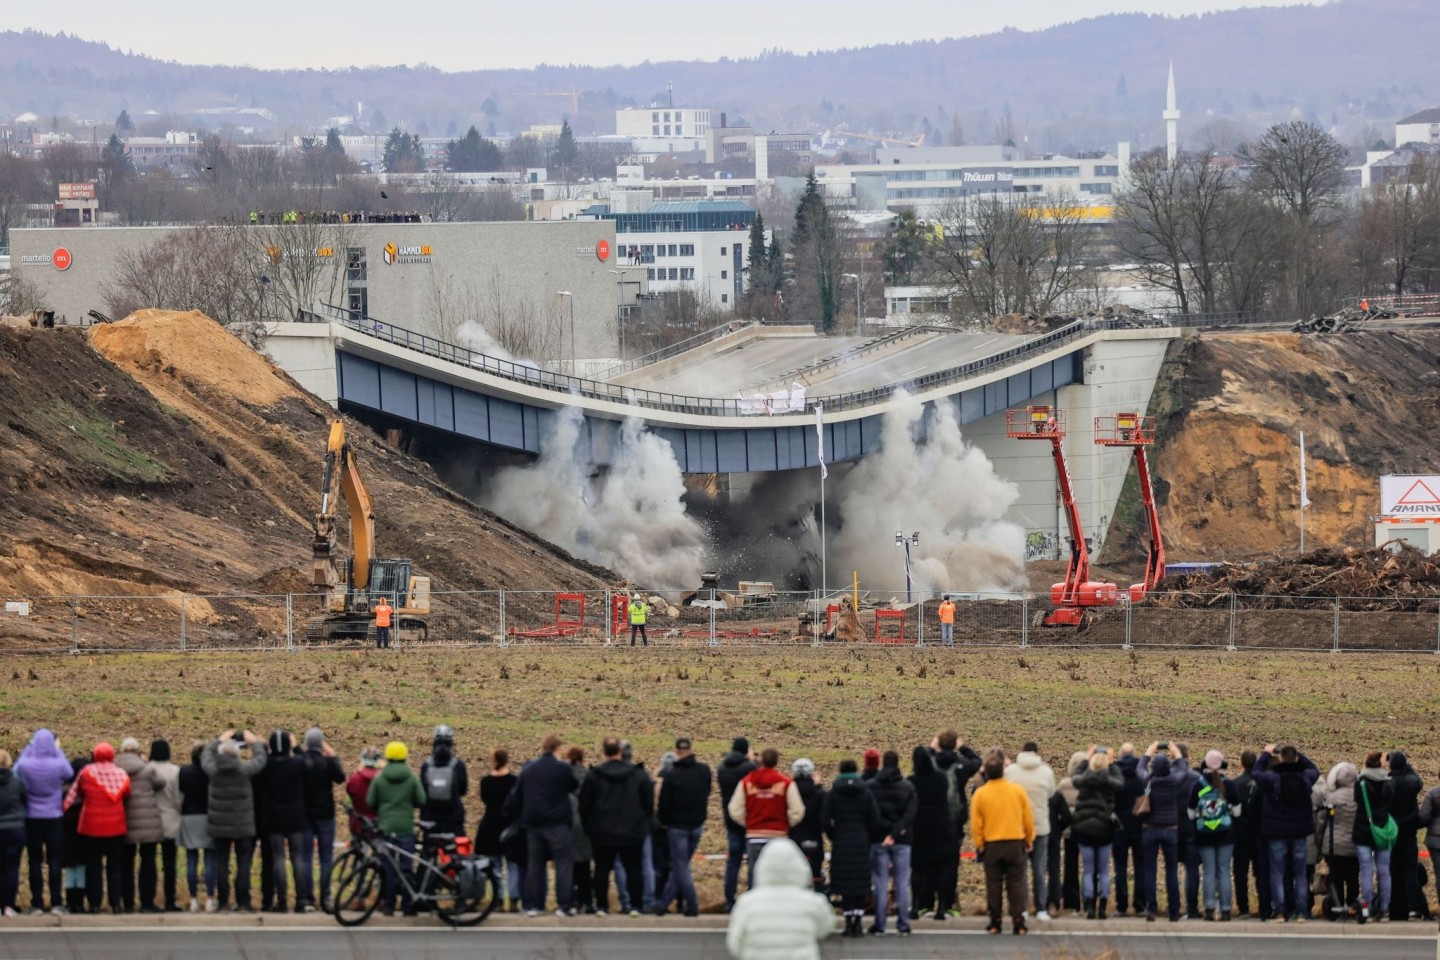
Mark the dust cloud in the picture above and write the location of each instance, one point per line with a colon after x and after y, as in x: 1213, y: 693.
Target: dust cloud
x: 945, y: 489
x: 631, y: 518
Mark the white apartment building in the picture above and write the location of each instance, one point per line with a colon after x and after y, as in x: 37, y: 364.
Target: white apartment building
x: 1422, y: 127
x: 694, y: 245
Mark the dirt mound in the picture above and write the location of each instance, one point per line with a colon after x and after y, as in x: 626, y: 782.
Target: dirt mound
x: 1230, y: 409
x: 1374, y: 579
x: 204, y: 350
x: 192, y: 465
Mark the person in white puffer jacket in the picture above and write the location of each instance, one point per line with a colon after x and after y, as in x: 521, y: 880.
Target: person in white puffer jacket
x: 782, y: 917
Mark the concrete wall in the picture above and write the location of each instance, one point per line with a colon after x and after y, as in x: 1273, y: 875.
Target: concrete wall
x: 475, y: 263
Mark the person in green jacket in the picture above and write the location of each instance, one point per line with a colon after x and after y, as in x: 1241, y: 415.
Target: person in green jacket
x: 395, y: 795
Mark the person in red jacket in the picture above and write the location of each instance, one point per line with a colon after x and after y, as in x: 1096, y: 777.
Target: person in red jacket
x: 768, y: 803
x: 357, y: 788
x: 101, y: 789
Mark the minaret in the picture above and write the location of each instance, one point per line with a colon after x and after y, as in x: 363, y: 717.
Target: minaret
x: 1172, y: 119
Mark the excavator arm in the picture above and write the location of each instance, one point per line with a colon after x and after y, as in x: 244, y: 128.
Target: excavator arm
x: 342, y: 478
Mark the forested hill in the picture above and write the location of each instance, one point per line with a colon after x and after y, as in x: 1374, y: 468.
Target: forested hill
x: 1086, y: 84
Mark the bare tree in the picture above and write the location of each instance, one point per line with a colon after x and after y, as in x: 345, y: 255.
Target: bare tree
x: 18, y: 296
x: 1298, y: 164
x: 215, y: 270
x: 1149, y: 226
x: 20, y: 184
x: 1399, y: 223
x: 302, y: 265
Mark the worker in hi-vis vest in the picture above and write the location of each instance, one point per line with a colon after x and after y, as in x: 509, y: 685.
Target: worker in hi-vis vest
x: 947, y: 622
x: 639, y: 612
x: 383, y: 612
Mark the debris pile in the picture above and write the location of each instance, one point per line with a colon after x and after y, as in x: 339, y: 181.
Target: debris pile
x: 1345, y: 320
x: 1396, y: 577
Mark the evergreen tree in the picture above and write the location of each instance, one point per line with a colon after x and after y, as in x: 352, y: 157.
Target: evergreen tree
x: 333, y: 145
x: 567, y: 151
x: 402, y: 153
x: 816, y: 249
x: 114, y: 162
x: 472, y: 153
x: 755, y: 262
x: 904, y: 248
x: 123, y: 123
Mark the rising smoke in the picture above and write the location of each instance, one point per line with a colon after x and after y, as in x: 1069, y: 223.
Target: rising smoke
x: 630, y: 519
x: 945, y: 489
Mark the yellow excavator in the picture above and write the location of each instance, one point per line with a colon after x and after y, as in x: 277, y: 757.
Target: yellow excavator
x: 353, y: 585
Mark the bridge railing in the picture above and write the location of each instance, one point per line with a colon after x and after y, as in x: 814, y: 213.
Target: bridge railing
x: 675, y: 349
x: 532, y: 375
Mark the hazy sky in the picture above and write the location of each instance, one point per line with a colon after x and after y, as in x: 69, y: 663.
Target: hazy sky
x: 461, y: 35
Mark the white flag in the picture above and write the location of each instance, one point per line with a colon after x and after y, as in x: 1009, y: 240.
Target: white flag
x: 1304, y: 496
x: 820, y: 439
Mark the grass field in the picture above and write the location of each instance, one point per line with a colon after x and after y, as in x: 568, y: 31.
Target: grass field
x: 826, y: 705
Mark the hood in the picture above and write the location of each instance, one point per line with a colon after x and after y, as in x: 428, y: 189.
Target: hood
x: 1160, y: 766
x: 442, y: 755
x: 850, y: 783
x: 945, y: 759
x: 924, y: 763
x: 1374, y: 773
x: 733, y: 759
x: 1399, y: 763
x: 1078, y: 762
x: 615, y: 770
x: 1028, y: 760
x: 1342, y: 774
x: 888, y: 775
x: 685, y: 763
x: 395, y: 771
x: 781, y: 864
x: 1128, y: 765
x: 103, y: 753
x: 42, y: 745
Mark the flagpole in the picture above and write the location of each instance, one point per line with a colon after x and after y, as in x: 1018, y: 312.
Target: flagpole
x: 820, y: 455
x: 1304, y: 496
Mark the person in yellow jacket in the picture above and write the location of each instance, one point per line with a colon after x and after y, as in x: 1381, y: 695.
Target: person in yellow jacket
x: 639, y: 612
x: 1002, y: 824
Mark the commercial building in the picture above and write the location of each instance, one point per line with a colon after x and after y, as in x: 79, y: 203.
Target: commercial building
x: 647, y: 122
x: 698, y: 245
x: 410, y: 275
x: 927, y: 178
x: 1422, y: 127
x: 176, y: 149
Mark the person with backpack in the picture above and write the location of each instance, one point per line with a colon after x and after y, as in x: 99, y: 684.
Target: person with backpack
x: 446, y: 781
x: 1159, y: 810
x: 1093, y: 827
x: 1375, y: 834
x: 1245, y: 831
x: 1212, y: 804
x: 322, y: 772
x: 1126, y: 846
x: 1285, y: 780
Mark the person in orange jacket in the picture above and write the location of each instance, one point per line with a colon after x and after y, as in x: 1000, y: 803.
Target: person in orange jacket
x: 947, y: 621
x: 383, y: 614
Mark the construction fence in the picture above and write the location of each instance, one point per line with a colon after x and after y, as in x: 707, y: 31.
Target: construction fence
x: 568, y: 619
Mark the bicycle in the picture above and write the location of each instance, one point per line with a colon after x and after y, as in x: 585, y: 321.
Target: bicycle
x: 463, y: 887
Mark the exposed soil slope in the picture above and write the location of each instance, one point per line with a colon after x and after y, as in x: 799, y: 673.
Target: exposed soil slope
x: 1230, y: 411
x: 165, y: 455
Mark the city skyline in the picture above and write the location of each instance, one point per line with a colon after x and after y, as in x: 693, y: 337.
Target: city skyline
x: 440, y: 35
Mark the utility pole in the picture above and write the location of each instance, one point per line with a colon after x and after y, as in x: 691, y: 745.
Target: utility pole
x: 571, y: 297
x: 856, y: 278
x: 907, y: 542
x: 620, y: 312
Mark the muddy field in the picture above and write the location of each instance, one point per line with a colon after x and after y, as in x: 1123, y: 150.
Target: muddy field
x: 825, y: 704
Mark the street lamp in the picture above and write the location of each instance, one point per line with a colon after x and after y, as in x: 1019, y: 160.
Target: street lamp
x: 571, y: 297
x: 856, y: 278
x: 620, y: 312
x: 907, y: 542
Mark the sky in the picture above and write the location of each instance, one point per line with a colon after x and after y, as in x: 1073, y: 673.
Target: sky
x: 464, y: 35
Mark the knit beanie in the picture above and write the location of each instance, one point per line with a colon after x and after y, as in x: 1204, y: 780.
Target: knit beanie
x: 740, y: 745
x: 314, y: 738
x: 872, y: 759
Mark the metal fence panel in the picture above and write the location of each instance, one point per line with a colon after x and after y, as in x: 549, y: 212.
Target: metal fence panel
x: 1153, y: 624
x: 1416, y: 630
x: 38, y: 625
x: 127, y: 623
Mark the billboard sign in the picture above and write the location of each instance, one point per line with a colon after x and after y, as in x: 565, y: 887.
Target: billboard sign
x: 1410, y: 496
x: 77, y: 191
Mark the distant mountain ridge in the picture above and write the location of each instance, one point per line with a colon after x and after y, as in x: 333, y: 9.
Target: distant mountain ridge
x: 1080, y: 85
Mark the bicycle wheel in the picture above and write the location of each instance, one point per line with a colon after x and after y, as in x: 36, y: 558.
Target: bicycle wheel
x: 356, y: 898
x: 346, y: 864
x: 465, y: 911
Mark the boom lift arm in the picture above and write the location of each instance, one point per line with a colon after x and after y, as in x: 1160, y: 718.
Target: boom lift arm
x: 1134, y: 430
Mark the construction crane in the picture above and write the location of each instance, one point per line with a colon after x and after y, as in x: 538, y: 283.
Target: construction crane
x: 1134, y: 430
x: 353, y: 584
x: 1071, y: 600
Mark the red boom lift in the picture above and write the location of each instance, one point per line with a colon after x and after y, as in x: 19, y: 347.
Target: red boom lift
x: 1134, y: 430
x: 1078, y: 593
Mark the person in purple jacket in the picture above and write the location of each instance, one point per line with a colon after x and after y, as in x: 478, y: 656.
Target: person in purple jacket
x: 44, y: 771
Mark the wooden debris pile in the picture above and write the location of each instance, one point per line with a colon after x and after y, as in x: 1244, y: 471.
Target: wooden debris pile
x: 1395, y: 578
